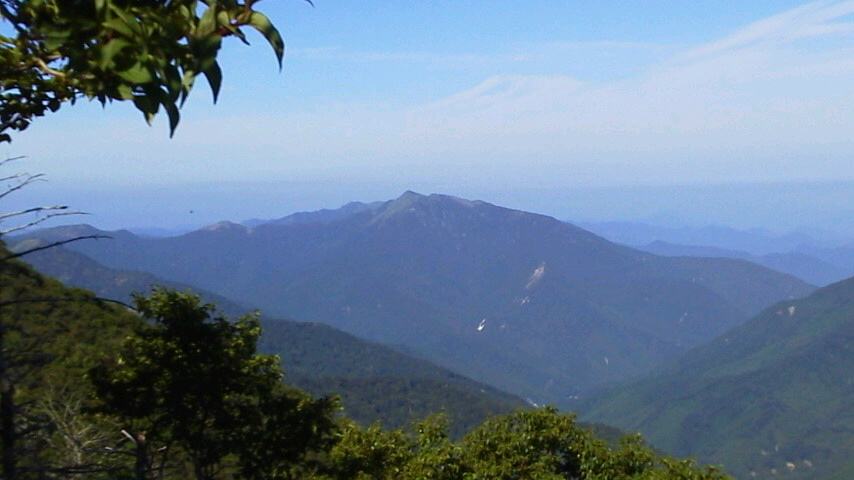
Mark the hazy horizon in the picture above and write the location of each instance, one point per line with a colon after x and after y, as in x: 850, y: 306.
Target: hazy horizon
x: 683, y: 114
x: 779, y: 208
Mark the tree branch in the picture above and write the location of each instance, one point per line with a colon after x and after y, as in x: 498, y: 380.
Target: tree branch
x: 31, y: 210
x: 23, y: 183
x: 46, y: 69
x: 50, y: 245
x: 10, y: 159
x: 64, y: 299
x: 38, y: 221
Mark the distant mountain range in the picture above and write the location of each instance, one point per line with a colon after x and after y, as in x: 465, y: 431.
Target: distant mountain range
x: 320, y: 216
x: 754, y: 242
x: 521, y: 301
x: 813, y: 259
x: 773, y: 398
x: 804, y: 266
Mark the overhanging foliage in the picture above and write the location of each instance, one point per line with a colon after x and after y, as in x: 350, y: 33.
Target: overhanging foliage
x: 148, y: 52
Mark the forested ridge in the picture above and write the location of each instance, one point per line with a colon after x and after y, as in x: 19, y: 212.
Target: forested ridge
x: 771, y: 398
x: 374, y: 381
x: 98, y: 392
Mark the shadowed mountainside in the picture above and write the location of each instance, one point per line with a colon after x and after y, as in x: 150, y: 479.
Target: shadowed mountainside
x: 521, y: 301
x: 376, y: 383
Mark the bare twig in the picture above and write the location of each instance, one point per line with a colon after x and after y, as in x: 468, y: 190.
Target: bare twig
x: 50, y: 245
x: 28, y: 179
x: 26, y: 211
x: 14, y: 177
x: 38, y: 221
x: 46, y: 69
x: 65, y: 299
x: 38, y: 215
x: 11, y: 159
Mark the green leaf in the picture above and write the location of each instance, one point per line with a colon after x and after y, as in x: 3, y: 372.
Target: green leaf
x: 207, y: 24
x: 110, y: 50
x: 224, y: 20
x: 147, y: 105
x: 187, y: 82
x: 55, y: 38
x: 137, y: 74
x: 261, y: 23
x: 131, y: 24
x: 124, y: 92
x: 205, y: 49
x: 118, y: 25
x: 214, y: 76
x: 173, y: 81
x: 174, y: 117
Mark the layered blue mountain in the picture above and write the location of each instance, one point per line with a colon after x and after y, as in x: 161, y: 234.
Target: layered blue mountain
x: 806, y: 267
x: 817, y: 257
x: 754, y: 241
x: 521, y: 301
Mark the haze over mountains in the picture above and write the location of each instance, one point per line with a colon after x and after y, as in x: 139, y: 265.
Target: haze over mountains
x: 521, y: 301
x: 815, y: 209
x: 821, y: 258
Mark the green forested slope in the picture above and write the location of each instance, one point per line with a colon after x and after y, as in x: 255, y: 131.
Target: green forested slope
x: 69, y: 325
x: 50, y: 336
x: 102, y: 394
x: 774, y: 397
x: 376, y: 383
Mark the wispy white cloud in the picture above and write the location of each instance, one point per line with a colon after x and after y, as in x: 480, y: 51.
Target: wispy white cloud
x: 782, y: 85
x: 341, y: 54
x: 515, y: 93
x: 774, y: 98
x: 813, y: 20
x: 520, y: 53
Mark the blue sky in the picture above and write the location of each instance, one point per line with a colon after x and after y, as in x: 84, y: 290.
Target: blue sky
x: 465, y: 96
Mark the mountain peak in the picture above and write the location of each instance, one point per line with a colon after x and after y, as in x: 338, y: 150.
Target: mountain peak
x: 456, y: 200
x: 224, y: 225
x: 444, y: 213
x: 77, y: 230
x: 401, y: 204
x: 410, y: 195
x: 410, y: 198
